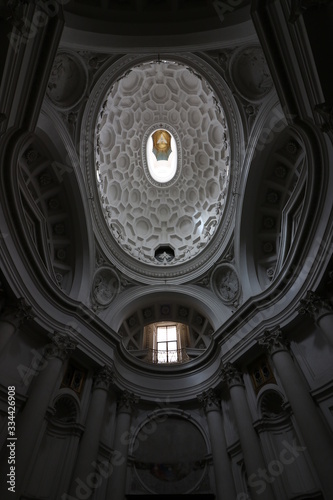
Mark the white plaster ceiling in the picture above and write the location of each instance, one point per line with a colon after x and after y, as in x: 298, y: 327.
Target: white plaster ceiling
x: 185, y: 212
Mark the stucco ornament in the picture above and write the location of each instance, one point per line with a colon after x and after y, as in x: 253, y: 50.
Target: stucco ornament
x: 105, y: 286
x: 165, y: 110
x: 226, y: 283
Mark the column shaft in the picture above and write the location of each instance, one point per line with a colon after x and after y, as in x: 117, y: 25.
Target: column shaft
x: 32, y: 417
x: 253, y: 458
x: 88, y: 448
x: 12, y: 316
x: 316, y: 437
x: 7, y: 330
x: 31, y: 421
x: 325, y: 323
x: 225, y: 488
x: 117, y: 481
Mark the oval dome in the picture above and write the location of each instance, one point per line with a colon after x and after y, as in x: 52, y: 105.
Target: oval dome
x: 162, y: 162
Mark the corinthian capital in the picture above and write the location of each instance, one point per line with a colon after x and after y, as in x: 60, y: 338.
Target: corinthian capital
x: 231, y: 376
x: 61, y: 346
x: 127, y: 402
x: 273, y: 341
x: 210, y: 401
x: 17, y: 312
x: 315, y: 306
x: 104, y: 377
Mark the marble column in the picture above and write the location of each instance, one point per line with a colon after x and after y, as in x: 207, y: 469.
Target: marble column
x: 320, y: 310
x: 31, y: 419
x: 225, y: 487
x: 88, y: 449
x: 117, y: 481
x: 318, y: 441
x: 253, y: 457
x: 12, y: 316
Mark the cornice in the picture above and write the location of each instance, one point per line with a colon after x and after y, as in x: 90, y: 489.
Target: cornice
x: 77, y: 39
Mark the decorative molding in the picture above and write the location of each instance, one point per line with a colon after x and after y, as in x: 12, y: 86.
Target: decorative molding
x: 231, y: 376
x: 127, y: 402
x: 250, y: 74
x: 315, y: 306
x: 325, y: 110
x: 104, y: 377
x: 105, y: 286
x: 274, y: 341
x: 226, y: 284
x: 68, y: 81
x: 17, y: 312
x: 210, y: 401
x: 61, y: 346
x: 300, y: 6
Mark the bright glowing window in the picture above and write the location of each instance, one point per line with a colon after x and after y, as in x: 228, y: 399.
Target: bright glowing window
x: 167, y: 344
x: 161, y: 155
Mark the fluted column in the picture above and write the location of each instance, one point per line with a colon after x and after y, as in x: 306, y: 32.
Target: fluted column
x: 225, y: 487
x: 320, y: 310
x: 316, y: 437
x: 88, y: 449
x: 253, y: 457
x: 117, y: 481
x: 12, y: 316
x: 31, y: 419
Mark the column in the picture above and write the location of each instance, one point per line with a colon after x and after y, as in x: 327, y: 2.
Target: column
x: 316, y: 437
x: 225, y: 487
x: 88, y: 448
x: 253, y: 457
x: 320, y: 310
x: 32, y: 416
x: 117, y: 482
x: 11, y: 318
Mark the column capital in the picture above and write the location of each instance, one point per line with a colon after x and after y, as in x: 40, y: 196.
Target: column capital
x: 231, y: 376
x: 274, y: 341
x: 210, y: 401
x: 315, y: 306
x: 17, y: 312
x: 61, y: 346
x: 127, y: 402
x: 103, y: 378
x: 301, y: 6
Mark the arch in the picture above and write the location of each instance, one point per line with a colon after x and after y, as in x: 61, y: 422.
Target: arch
x: 185, y: 468
x: 52, y: 235
x: 66, y: 407
x: 270, y: 403
x: 281, y: 201
x: 202, y: 300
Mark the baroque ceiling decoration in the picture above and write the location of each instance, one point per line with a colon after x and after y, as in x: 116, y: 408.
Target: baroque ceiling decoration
x: 162, y: 223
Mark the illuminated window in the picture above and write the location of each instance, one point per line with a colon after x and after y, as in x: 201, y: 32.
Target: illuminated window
x: 167, y: 344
